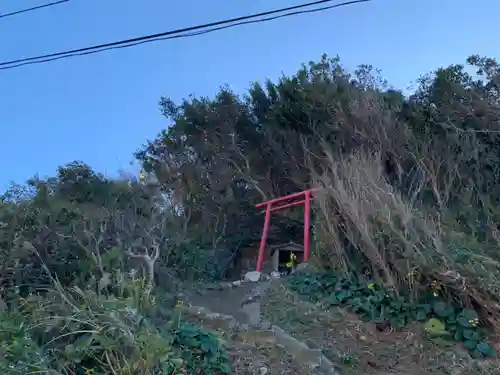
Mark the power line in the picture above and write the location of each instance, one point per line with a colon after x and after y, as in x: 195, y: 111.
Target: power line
x: 26, y: 10
x: 179, y: 33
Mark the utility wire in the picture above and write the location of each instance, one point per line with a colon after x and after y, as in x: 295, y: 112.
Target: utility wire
x: 15, y: 13
x: 179, y: 33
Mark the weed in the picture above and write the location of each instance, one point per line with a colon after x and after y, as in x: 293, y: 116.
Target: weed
x: 75, y: 331
x: 201, y: 350
x: 386, y: 309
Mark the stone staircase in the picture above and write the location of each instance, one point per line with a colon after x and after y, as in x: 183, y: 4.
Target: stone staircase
x: 236, y: 308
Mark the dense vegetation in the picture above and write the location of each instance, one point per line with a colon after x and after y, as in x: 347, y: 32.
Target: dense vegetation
x: 374, y: 303
x: 409, y: 199
x: 79, y: 264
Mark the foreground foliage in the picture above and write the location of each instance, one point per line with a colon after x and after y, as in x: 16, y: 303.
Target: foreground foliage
x: 79, y: 287
x: 77, y: 331
x: 384, y: 308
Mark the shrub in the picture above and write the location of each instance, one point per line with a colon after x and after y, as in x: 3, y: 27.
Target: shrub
x: 74, y: 331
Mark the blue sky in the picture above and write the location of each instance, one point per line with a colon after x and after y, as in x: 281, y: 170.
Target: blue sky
x: 101, y: 108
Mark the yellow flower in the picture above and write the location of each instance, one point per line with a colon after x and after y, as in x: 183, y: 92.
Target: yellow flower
x: 474, y: 322
x: 371, y: 285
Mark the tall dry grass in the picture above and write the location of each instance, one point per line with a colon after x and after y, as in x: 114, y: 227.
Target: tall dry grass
x: 366, y: 225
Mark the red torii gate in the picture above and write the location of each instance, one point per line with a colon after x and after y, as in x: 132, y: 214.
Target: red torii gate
x: 306, y: 201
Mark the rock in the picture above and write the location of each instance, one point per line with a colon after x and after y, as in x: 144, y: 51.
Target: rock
x: 265, y: 324
x: 313, y: 358
x: 243, y: 327
x: 255, y: 338
x: 252, y: 311
x: 237, y: 283
x: 214, y: 320
x: 256, y: 365
x: 221, y: 321
x: 219, y: 287
x: 275, y: 275
x: 263, y: 370
x: 251, y: 298
x: 253, y: 276
x: 197, y: 310
x: 312, y: 344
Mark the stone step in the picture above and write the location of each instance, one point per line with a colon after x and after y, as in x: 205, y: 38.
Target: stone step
x: 263, y: 333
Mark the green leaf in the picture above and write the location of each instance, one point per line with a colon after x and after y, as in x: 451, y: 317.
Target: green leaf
x: 226, y: 368
x: 464, y: 322
x: 435, y: 327
x: 206, y: 346
x: 378, y: 319
x: 396, y: 305
x: 471, y: 334
x: 421, y: 312
x: 470, y: 344
x: 486, y: 349
x: 451, y: 319
x: 356, y: 302
x: 341, y: 296
x: 469, y: 314
x: 443, y: 309
x: 398, y: 322
x: 177, y: 362
x: 425, y: 306
x: 420, y: 315
x: 83, y: 342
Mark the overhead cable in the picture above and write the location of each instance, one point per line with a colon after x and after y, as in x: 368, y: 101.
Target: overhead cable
x: 26, y: 10
x: 180, y: 33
